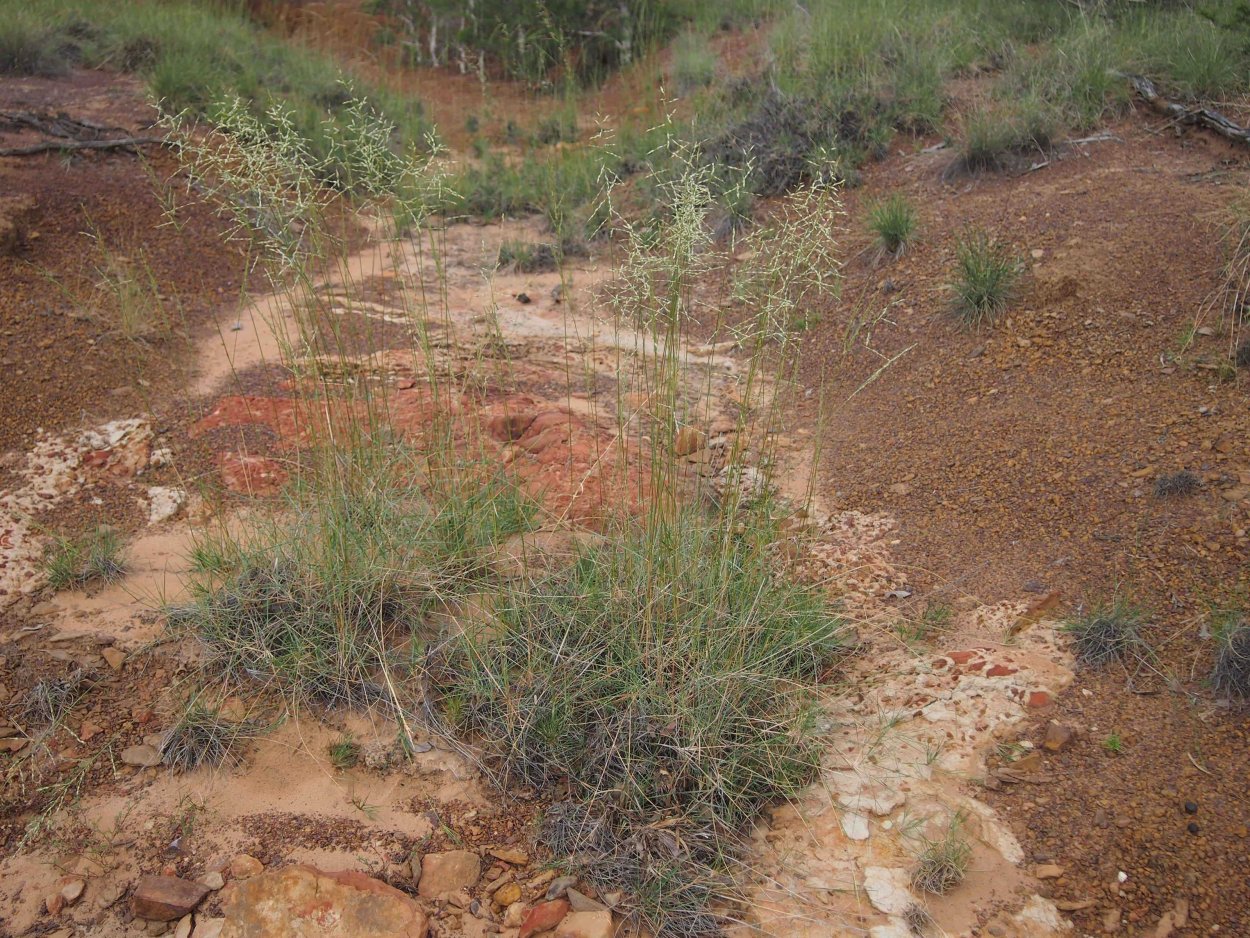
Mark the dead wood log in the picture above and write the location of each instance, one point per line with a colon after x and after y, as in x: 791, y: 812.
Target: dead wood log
x: 1196, y: 116
x: 124, y: 143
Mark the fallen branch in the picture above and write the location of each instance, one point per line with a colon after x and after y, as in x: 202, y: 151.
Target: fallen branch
x: 1198, y: 116
x: 47, y: 145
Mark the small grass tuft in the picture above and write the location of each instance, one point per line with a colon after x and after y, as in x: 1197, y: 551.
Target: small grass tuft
x: 1230, y: 674
x: 528, y: 258
x: 201, y: 737
x: 71, y: 563
x: 1108, y: 632
x: 1241, y: 357
x: 944, y: 861
x: 917, y: 919
x: 49, y: 700
x: 893, y: 220
x: 1175, y: 484
x: 986, y: 274
x: 345, y: 753
x: 1113, y: 744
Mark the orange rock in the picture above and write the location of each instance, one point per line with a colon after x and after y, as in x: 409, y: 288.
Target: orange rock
x: 543, y: 917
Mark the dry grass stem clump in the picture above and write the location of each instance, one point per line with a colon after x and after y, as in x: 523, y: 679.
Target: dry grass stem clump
x: 1230, y: 674
x: 1107, y: 632
x: 943, y: 863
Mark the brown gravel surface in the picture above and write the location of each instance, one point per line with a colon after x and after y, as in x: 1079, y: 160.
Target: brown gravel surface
x: 63, y: 355
x: 1022, y: 458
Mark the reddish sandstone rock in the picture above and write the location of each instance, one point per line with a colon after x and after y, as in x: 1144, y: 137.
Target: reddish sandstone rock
x: 166, y: 898
x: 507, y: 428
x: 543, y: 917
x: 1000, y: 670
x: 302, y: 902
x: 1039, y: 698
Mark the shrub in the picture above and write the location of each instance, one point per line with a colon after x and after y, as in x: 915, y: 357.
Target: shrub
x: 1230, y: 674
x: 200, y: 737
x: 1108, y: 632
x: 669, y: 676
x: 893, y: 220
x: 1174, y: 484
x: 694, y: 64
x: 29, y: 46
x: 95, y: 557
x: 986, y: 275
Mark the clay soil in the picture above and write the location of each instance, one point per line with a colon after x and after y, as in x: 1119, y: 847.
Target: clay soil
x: 1022, y: 459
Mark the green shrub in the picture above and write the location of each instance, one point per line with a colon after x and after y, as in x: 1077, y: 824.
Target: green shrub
x: 29, y: 46
x: 1230, y: 673
x: 986, y: 275
x: 693, y: 63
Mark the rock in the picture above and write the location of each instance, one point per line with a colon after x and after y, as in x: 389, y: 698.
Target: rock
x: 444, y: 873
x: 580, y: 902
x: 166, y: 898
x: 855, y: 826
x: 514, y: 915
x: 213, y: 880
x: 1165, y: 927
x: 560, y: 885
x: 89, y: 730
x: 1058, y: 736
x: 687, y: 441
x: 507, y: 894
x: 54, y: 904
x: 1039, y: 698
x: 1180, y: 913
x: 143, y: 756
x: 108, y: 894
x: 302, y: 901
x: 508, y: 428
x: 1048, y: 871
x: 16, y: 212
x: 586, y: 925
x: 543, y: 917
x: 245, y: 866
x: 183, y: 928
x: 208, y: 928
x: 72, y: 889
x: 888, y: 889
x: 900, y: 488
x: 1111, y: 921
x: 513, y: 855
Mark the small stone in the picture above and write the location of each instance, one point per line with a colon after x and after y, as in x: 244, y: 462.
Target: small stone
x: 1191, y: 808
x: 54, y: 904
x: 72, y: 890
x: 580, y: 902
x: 508, y: 894
x: 444, y: 873
x: 543, y: 917
x: 166, y: 898
x: 183, y: 928
x: 245, y: 866
x: 1192, y: 827
x: 687, y: 441
x: 1111, y: 921
x: 586, y: 925
x: 213, y: 880
x: 460, y: 899
x: 1048, y: 871
x: 1039, y: 698
x: 208, y: 928
x: 560, y: 885
x: 997, y: 930
x: 142, y: 756
x: 1058, y: 736
x: 114, y: 656
x: 108, y: 894
x: 510, y: 855
x: 89, y: 730
x: 855, y: 826
x: 514, y: 915
x: 900, y: 488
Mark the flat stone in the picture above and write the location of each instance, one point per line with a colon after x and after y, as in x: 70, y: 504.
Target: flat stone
x: 183, y: 928
x: 1048, y: 871
x: 445, y: 873
x: 166, y: 898
x: 580, y: 902
x: 855, y: 826
x: 208, y: 928
x: 513, y: 855
x: 213, y: 880
x: 299, y: 901
x: 507, y: 894
x: 889, y: 889
x: 245, y: 866
x: 114, y: 656
x: 1058, y: 736
x: 560, y: 885
x: 543, y: 917
x: 72, y: 890
x: 586, y: 925
x: 143, y: 756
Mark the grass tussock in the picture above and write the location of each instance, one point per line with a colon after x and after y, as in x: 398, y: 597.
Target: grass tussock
x: 1107, y: 632
x: 201, y: 737
x: 1177, y: 484
x: 987, y: 273
x: 893, y: 221
x: 1230, y: 672
x: 943, y: 862
x: 95, y: 557
x: 669, y: 680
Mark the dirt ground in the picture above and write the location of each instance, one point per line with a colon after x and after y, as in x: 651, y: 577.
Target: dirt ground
x: 1015, y: 461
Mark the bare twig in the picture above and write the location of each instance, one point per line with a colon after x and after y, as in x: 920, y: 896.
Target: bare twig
x: 123, y: 143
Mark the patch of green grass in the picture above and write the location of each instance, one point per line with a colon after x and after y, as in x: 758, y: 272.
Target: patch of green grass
x: 693, y: 63
x: 194, y: 55
x: 987, y: 272
x: 935, y: 620
x: 1230, y: 672
x: 95, y: 557
x: 667, y: 676
x: 345, y: 753
x: 893, y: 221
x: 528, y: 258
x: 1113, y: 744
x: 943, y: 862
x: 1108, y: 631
